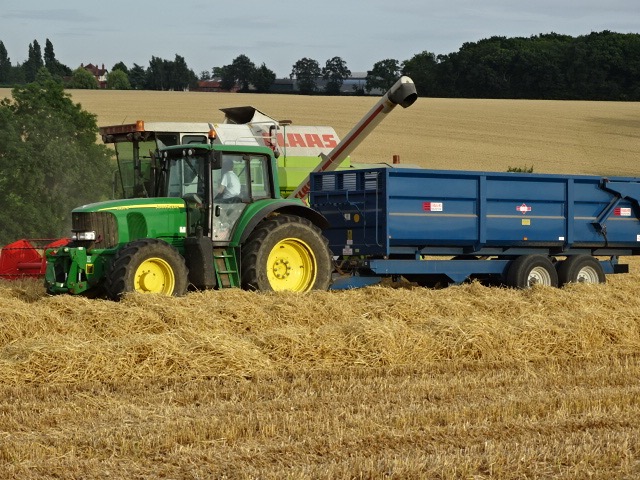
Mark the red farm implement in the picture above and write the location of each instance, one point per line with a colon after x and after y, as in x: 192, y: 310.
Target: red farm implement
x: 25, y: 258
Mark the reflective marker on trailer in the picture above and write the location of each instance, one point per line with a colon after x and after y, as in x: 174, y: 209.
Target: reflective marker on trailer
x: 432, y: 206
x: 523, y: 208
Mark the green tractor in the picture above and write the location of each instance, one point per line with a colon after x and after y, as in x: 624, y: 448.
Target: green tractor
x: 165, y: 244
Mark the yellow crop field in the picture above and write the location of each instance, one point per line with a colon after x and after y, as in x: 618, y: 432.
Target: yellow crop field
x: 552, y: 136
x: 377, y: 383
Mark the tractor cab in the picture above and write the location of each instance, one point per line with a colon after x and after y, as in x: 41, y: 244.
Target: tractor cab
x: 217, y: 183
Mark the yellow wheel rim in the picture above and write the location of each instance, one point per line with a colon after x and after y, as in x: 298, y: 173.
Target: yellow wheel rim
x: 154, y: 275
x: 291, y: 266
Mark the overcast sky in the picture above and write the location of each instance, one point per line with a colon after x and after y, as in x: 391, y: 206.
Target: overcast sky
x: 280, y: 32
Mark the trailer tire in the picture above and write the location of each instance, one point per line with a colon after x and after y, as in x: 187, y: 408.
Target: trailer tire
x: 286, y: 252
x: 148, y: 265
x: 528, y: 270
x: 580, y: 269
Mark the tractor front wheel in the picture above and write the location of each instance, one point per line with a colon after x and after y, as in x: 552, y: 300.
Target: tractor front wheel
x: 286, y: 253
x: 147, y: 266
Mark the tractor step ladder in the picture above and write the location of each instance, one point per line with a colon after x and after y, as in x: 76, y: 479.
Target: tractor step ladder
x: 226, y: 267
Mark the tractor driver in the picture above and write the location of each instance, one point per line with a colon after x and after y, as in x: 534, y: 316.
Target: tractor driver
x: 229, y: 183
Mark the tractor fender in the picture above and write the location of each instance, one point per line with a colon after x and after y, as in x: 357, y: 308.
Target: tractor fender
x: 284, y: 207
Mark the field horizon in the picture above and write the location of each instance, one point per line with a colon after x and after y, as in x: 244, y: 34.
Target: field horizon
x: 376, y: 383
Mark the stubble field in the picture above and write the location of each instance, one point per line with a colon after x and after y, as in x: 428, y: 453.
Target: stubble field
x: 464, y: 382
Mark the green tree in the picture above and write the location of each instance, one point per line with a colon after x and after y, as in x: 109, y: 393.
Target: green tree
x: 307, y: 71
x: 227, y: 77
x: 336, y: 72
x: 138, y: 77
x: 240, y: 72
x: 5, y: 65
x: 34, y: 61
x: 383, y: 75
x: 56, y: 68
x: 120, y: 66
x: 181, y: 77
x: 244, y: 70
x: 118, y: 80
x: 83, y: 79
x: 263, y: 79
x: 49, y: 160
x: 157, y: 74
x: 422, y: 68
x: 169, y: 74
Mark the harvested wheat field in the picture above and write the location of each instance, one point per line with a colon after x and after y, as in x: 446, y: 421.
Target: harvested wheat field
x: 393, y: 383
x: 464, y: 382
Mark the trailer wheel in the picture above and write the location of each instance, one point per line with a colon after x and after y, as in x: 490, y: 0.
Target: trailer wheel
x: 147, y: 266
x: 286, y: 253
x: 528, y: 270
x: 580, y: 269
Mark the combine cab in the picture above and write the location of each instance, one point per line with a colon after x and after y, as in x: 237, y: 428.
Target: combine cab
x: 296, y: 147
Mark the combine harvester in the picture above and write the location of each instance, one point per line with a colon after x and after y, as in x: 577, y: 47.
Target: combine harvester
x: 428, y: 226
x: 295, y: 147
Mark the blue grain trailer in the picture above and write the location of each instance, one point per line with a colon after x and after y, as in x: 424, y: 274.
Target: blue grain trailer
x: 441, y: 226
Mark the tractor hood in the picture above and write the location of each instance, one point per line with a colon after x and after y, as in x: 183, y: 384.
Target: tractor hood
x: 117, y: 222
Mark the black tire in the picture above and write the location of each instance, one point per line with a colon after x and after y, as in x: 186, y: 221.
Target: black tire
x: 286, y: 252
x: 528, y: 270
x: 147, y: 266
x: 580, y: 269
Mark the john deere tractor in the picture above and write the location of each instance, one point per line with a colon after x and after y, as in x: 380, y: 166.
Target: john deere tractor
x: 190, y: 233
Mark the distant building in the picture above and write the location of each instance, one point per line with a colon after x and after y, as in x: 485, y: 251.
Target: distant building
x: 284, y: 85
x: 212, y: 86
x: 356, y: 84
x: 99, y: 73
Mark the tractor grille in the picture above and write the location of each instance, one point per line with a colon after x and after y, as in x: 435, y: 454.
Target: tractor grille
x: 103, y: 223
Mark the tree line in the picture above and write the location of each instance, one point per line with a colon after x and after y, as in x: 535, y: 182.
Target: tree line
x: 598, y: 66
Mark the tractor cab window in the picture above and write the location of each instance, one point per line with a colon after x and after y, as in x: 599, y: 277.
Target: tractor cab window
x: 240, y: 178
x: 186, y: 175
x: 191, y: 139
x: 229, y: 175
x: 166, y: 139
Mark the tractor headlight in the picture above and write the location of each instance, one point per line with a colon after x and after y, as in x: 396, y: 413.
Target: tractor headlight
x: 84, y: 236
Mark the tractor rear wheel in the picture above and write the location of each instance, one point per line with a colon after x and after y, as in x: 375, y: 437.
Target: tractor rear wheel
x: 286, y: 252
x: 147, y: 266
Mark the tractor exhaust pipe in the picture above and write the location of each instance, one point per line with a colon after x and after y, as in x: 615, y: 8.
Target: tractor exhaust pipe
x: 402, y: 93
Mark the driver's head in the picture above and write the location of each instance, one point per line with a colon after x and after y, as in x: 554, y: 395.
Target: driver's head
x: 227, y: 164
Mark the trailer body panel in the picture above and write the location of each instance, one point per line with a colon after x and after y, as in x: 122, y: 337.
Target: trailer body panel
x: 385, y: 212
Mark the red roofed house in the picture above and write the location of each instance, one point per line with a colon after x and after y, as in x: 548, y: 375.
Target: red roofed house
x: 99, y: 73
